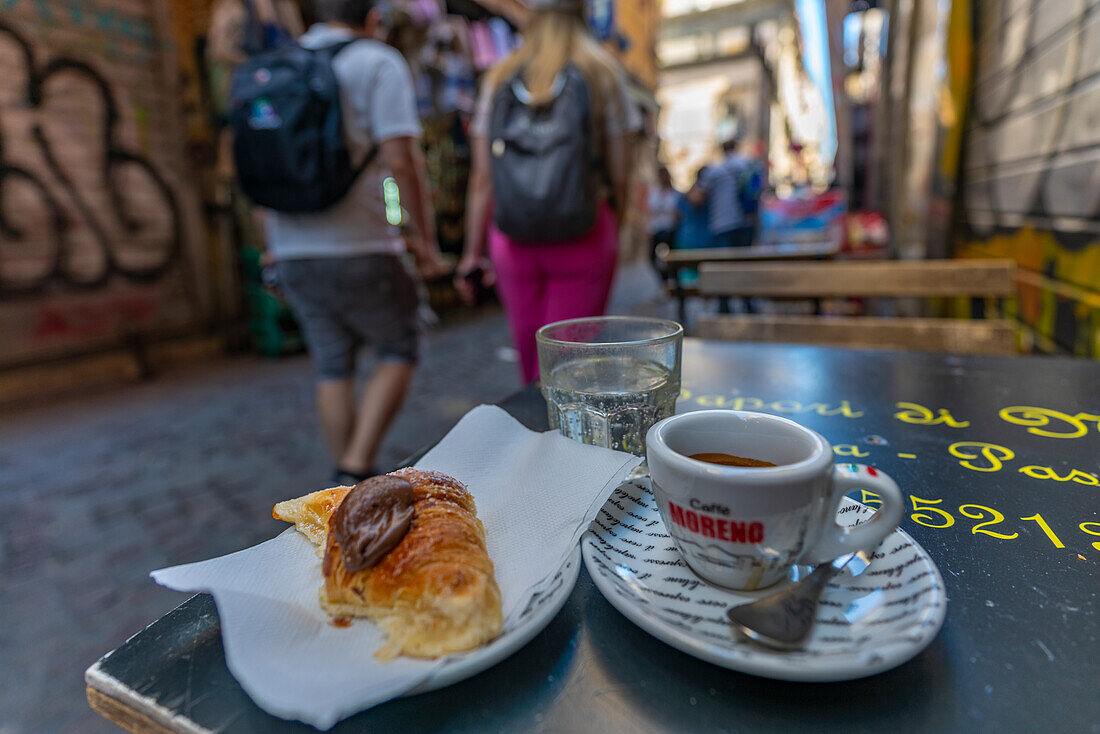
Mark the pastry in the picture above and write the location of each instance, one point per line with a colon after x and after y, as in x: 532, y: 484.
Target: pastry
x: 310, y: 513
x: 407, y: 551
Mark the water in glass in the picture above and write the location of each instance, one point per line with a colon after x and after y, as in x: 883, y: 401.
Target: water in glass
x: 610, y: 401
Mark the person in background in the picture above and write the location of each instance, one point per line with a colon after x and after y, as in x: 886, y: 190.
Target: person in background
x: 693, y: 220
x: 692, y: 229
x: 753, y: 181
x: 662, y: 207
x: 243, y: 28
x: 543, y: 282
x: 240, y: 29
x: 721, y: 189
x: 343, y: 269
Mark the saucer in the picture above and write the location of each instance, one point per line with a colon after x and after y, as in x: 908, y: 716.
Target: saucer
x: 866, y: 624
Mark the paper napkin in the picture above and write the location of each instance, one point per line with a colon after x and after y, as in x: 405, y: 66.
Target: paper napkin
x: 536, y: 493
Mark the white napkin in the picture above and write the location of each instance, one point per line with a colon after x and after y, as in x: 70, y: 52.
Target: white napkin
x: 536, y: 493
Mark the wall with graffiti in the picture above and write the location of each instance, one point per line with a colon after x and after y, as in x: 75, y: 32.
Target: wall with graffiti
x: 1030, y: 185
x: 96, y: 241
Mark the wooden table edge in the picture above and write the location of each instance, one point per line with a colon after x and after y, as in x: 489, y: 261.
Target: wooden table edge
x: 120, y: 705
x: 112, y: 700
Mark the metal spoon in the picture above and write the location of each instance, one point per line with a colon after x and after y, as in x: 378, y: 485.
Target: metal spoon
x: 785, y: 619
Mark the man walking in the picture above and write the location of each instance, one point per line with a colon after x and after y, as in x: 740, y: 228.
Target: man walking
x: 342, y: 268
x: 722, y: 188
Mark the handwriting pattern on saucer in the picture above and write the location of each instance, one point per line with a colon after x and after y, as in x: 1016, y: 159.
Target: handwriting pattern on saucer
x: 865, y: 624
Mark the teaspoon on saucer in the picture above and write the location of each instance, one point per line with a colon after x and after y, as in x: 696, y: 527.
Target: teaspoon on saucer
x: 785, y: 619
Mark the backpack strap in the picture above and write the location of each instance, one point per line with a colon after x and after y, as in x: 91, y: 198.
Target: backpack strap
x: 597, y: 161
x: 332, y: 50
x: 371, y: 155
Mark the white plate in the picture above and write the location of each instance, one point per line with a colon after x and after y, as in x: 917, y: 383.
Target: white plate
x: 866, y: 624
x: 540, y: 610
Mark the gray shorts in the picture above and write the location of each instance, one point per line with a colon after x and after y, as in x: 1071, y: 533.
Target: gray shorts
x: 343, y: 303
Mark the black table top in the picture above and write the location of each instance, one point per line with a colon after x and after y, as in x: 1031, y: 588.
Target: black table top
x: 998, y: 458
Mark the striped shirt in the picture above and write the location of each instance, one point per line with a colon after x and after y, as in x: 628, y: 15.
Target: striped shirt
x: 722, y: 185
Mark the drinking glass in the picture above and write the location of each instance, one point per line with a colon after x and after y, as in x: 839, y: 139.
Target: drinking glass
x: 607, y: 379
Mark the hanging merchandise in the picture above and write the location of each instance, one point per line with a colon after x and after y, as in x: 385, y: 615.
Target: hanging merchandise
x: 601, y: 18
x: 424, y: 12
x: 448, y: 75
x: 449, y: 44
x: 447, y: 158
x: 482, y: 47
x: 503, y: 40
x: 425, y: 95
x: 461, y: 27
x: 459, y: 87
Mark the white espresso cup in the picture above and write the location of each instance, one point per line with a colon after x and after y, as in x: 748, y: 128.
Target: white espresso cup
x: 743, y: 527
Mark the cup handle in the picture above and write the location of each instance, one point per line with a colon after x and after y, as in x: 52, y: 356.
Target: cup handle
x: 837, y: 540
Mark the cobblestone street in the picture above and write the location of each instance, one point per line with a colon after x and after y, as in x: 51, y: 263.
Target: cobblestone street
x: 95, y: 492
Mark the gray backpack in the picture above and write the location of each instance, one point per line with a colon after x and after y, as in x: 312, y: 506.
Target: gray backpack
x: 543, y: 163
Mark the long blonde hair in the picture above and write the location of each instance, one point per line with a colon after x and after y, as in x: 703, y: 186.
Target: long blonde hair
x: 552, y: 39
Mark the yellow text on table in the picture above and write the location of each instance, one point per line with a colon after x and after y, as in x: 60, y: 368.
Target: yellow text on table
x: 993, y: 455
x: 738, y: 402
x: 922, y: 416
x: 1036, y: 418
x: 1091, y: 532
x: 1075, y: 475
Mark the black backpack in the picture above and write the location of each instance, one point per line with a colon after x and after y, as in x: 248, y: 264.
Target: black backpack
x: 545, y: 182
x: 289, y: 145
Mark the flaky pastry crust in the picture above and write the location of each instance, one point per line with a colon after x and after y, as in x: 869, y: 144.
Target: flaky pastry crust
x: 434, y: 593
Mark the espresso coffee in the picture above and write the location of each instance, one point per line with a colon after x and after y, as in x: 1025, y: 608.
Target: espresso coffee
x: 731, y: 460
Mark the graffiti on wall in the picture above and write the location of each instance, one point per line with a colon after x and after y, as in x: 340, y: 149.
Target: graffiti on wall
x: 150, y: 225
x: 1031, y: 181
x: 92, y: 237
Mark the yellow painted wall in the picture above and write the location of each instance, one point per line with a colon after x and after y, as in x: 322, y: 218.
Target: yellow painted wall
x: 1029, y: 185
x: 639, y: 21
x: 1059, y: 297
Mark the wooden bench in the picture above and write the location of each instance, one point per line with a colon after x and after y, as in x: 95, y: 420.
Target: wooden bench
x: 673, y: 261
x: 885, y: 279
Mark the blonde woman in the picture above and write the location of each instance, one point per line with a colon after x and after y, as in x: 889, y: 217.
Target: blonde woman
x: 541, y: 274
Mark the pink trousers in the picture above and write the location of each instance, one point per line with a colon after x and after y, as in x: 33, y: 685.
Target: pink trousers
x: 543, y: 282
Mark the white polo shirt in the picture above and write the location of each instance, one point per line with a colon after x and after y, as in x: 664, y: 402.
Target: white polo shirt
x: 379, y: 103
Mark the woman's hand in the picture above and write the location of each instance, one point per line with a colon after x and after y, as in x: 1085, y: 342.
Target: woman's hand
x: 471, y: 276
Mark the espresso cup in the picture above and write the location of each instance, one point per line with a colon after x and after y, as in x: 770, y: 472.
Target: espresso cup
x: 744, y: 527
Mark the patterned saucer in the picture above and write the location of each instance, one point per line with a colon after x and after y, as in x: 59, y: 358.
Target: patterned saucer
x: 866, y: 624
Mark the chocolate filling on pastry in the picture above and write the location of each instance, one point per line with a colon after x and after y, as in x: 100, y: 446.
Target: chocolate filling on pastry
x: 372, y: 519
